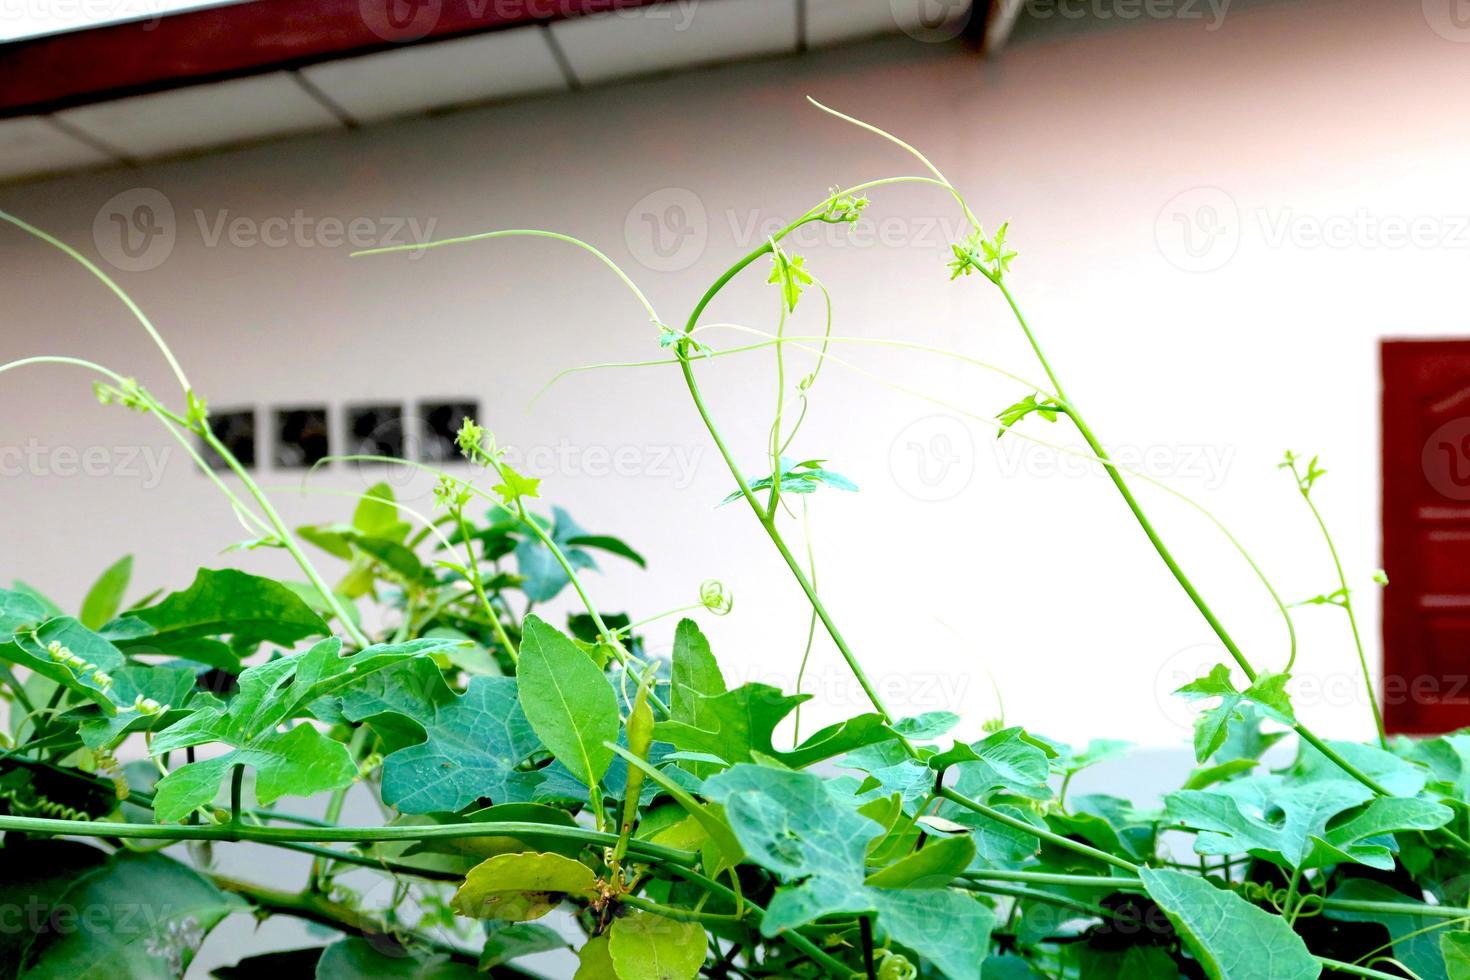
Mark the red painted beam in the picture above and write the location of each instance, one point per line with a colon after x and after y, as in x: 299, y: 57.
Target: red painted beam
x: 61, y: 70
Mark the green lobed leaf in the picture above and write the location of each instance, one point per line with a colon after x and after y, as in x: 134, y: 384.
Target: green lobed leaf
x: 1264, y: 815
x: 35, y: 879
x: 355, y: 958
x: 1231, y: 938
x: 808, y: 831
x: 1414, y: 938
x: 300, y: 761
x: 738, y: 726
x: 1267, y: 691
x: 154, y: 913
x: 1007, y: 761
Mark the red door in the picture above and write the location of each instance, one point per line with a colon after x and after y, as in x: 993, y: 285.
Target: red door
x: 1426, y: 535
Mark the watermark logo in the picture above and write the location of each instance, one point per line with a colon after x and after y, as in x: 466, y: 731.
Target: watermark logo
x: 933, y: 458
x: 302, y: 230
x: 667, y: 231
x: 1178, y: 669
x: 1446, y: 459
x: 1450, y: 19
x: 400, y: 20
x: 932, y: 21
x: 1211, y: 11
x: 1199, y: 230
x: 145, y: 464
x: 674, y: 464
x: 1206, y: 464
x: 135, y: 230
x: 138, y: 229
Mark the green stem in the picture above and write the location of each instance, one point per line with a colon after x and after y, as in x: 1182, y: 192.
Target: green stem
x: 811, y: 626
x: 1049, y: 898
x: 532, y: 525
x: 106, y: 280
x: 335, y: 802
x: 288, y: 541
x: 677, y: 914
x: 1056, y: 840
x: 1357, y: 971
x: 768, y: 524
x: 1167, y: 556
x: 1393, y: 908
x: 479, y: 586
x: 1347, y: 607
x: 1063, y: 880
x: 323, y: 911
x: 324, y: 835
x: 328, y: 854
x: 834, y: 967
x: 1289, y: 906
x: 237, y: 779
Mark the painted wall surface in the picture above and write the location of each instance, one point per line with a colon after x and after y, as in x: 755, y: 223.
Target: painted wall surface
x: 1215, y: 227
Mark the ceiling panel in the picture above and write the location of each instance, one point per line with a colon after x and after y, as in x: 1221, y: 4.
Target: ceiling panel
x: 34, y: 146
x: 201, y: 116
x: 836, y: 21
x: 431, y: 76
x: 680, y: 34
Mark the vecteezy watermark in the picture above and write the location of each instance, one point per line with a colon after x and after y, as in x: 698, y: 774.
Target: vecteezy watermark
x: 34, y: 459
x: 1310, y: 690
x: 1212, y: 12
x: 1363, y: 229
x: 1450, y: 19
x: 1205, y: 463
x: 1446, y: 459
x: 675, y: 464
x: 138, y: 229
x: 68, y: 14
x: 1198, y: 230
x: 932, y: 20
x: 669, y: 230
x: 400, y: 21
x: 135, y: 230
x: 302, y: 230
x: 834, y: 686
x: 933, y: 458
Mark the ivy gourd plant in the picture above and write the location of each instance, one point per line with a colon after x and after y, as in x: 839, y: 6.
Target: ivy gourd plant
x: 550, y: 786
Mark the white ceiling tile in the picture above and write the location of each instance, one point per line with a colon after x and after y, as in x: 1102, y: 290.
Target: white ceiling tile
x: 837, y: 21
x: 32, y: 145
x: 678, y: 34
x: 202, y: 115
x: 430, y: 76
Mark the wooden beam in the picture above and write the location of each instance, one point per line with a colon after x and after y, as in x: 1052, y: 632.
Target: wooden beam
x: 61, y: 70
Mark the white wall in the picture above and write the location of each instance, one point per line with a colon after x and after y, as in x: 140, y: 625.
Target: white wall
x: 1304, y: 113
